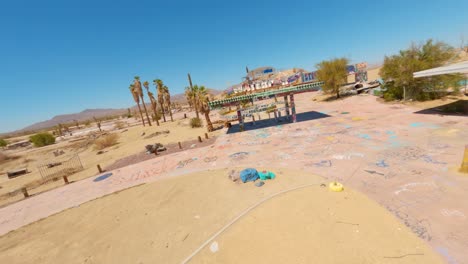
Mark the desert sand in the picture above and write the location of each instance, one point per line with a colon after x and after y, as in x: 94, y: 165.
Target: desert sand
x: 165, y: 221
x: 131, y: 141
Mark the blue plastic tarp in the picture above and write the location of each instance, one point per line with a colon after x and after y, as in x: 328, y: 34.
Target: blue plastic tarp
x: 249, y: 174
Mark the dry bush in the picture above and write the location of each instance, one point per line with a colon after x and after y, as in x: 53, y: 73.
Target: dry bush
x: 196, y: 122
x: 120, y: 124
x: 5, y: 158
x: 106, y: 141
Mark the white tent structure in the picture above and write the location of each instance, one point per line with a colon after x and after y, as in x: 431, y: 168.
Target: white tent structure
x: 461, y: 67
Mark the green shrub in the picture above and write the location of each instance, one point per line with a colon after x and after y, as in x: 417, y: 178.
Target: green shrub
x: 3, y: 142
x: 42, y: 139
x: 196, y: 122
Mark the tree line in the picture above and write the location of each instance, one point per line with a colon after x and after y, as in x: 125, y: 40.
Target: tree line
x: 197, y: 98
x: 397, y: 73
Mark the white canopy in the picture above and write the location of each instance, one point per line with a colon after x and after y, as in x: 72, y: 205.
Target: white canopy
x: 461, y: 67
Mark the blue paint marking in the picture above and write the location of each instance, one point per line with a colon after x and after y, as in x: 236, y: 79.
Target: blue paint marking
x: 429, y: 159
x: 382, y: 164
x: 444, y: 252
x: 416, y: 124
x: 347, y: 126
x: 365, y: 136
x: 421, y: 124
x: 263, y: 135
x: 103, y: 177
x: 391, y: 134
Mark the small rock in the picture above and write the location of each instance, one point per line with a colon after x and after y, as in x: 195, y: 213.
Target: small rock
x: 259, y: 184
x: 99, y: 152
x: 214, y: 247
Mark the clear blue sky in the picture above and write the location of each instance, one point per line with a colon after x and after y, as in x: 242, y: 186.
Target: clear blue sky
x: 62, y: 57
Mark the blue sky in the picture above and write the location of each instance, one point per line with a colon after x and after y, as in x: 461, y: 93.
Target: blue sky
x: 61, y: 57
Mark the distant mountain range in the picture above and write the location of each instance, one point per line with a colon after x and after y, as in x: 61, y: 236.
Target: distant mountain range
x: 88, y: 114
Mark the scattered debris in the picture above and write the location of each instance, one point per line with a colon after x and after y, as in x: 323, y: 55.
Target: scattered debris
x: 335, y: 187
x: 234, y: 176
x: 16, y: 173
x: 55, y: 164
x: 249, y: 174
x: 266, y: 175
x: 58, y: 152
x: 155, y: 147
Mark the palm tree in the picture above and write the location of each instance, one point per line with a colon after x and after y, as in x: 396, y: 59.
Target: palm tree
x: 193, y: 93
x: 203, y: 100
x: 160, y: 88
x: 167, y: 101
x: 139, y: 90
x: 136, y: 98
x: 189, y: 97
x: 154, y: 104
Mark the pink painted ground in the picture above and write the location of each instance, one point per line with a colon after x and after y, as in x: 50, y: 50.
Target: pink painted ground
x: 405, y: 161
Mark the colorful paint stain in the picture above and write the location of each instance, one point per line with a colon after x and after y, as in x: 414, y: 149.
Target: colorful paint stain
x: 184, y: 163
x: 357, y: 118
x: 382, y: 164
x: 422, y: 124
x: 364, y: 136
x: 239, y: 155
x: 429, y: 159
x: 102, y: 177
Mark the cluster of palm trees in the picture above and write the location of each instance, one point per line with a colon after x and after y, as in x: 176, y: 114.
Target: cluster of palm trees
x: 198, y: 98
x: 164, y: 99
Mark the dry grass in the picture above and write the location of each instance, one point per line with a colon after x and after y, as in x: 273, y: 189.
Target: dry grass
x: 106, y: 141
x: 5, y: 158
x: 120, y: 124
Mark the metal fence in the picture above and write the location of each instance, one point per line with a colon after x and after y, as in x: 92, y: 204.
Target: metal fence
x: 54, y: 170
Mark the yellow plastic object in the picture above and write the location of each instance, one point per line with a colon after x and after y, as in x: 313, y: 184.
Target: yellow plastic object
x: 335, y: 187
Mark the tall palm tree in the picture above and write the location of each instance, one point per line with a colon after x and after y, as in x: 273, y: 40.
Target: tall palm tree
x: 188, y: 97
x: 154, y: 104
x: 167, y: 101
x: 193, y: 92
x: 160, y: 88
x: 136, y: 98
x: 139, y: 90
x: 203, y: 100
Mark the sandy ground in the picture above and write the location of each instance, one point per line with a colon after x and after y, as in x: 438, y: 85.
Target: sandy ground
x: 165, y: 221
x: 404, y: 160
x: 130, y: 142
